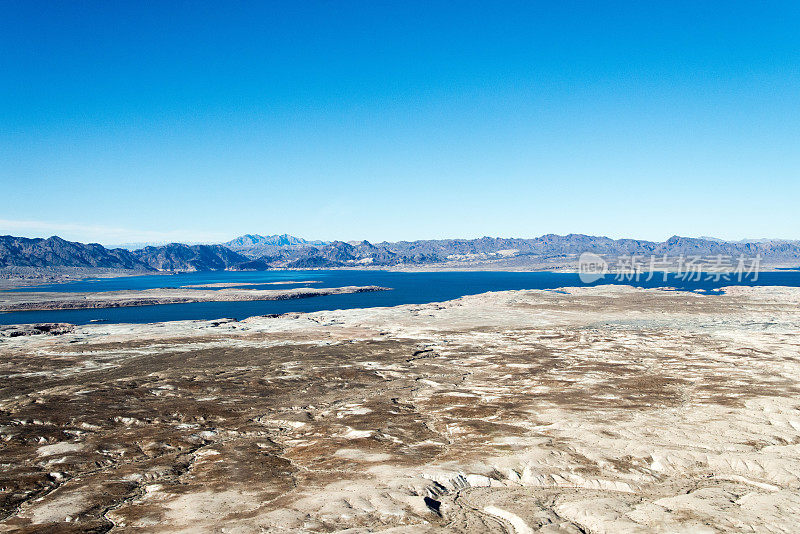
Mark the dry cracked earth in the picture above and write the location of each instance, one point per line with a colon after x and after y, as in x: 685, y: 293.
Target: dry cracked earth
x: 607, y: 409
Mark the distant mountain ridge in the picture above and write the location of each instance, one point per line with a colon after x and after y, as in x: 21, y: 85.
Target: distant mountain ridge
x: 257, y: 252
x: 180, y: 257
x: 57, y: 252
x: 256, y: 245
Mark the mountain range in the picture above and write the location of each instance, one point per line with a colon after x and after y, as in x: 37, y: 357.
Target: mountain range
x: 257, y: 252
x: 255, y: 245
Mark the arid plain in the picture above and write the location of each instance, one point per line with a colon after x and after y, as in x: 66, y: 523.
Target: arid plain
x: 606, y: 409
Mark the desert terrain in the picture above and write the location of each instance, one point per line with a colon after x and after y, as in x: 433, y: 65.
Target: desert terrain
x: 595, y: 410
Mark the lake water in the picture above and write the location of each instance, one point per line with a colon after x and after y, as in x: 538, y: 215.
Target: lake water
x: 407, y: 288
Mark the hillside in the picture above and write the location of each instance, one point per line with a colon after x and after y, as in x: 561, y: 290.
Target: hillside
x: 179, y: 257
x: 57, y: 252
x: 255, y: 252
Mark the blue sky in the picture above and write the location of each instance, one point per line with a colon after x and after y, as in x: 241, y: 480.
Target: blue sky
x: 148, y: 121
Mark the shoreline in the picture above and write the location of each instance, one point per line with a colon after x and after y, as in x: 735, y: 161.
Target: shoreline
x: 7, y: 284
x: 52, y: 301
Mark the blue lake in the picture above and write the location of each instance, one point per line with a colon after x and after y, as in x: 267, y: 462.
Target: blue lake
x: 407, y: 288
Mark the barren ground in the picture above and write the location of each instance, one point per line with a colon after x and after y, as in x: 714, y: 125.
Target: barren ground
x: 607, y: 409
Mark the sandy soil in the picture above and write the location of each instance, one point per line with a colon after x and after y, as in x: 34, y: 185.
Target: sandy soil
x: 606, y: 409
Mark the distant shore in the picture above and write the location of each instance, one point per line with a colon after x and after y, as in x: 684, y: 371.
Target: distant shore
x: 34, y: 278
x: 40, y: 301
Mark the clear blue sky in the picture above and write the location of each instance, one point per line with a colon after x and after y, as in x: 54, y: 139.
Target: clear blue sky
x: 129, y: 121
